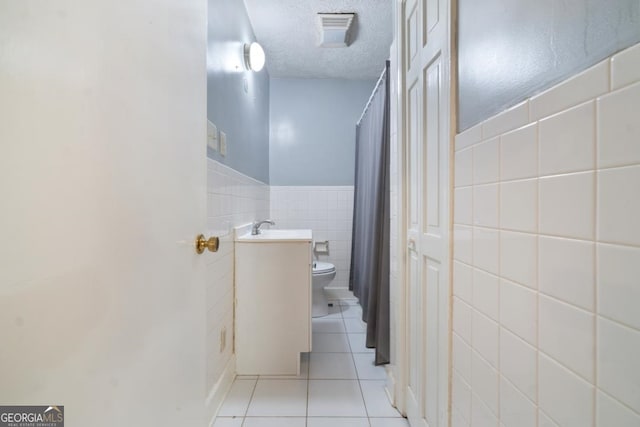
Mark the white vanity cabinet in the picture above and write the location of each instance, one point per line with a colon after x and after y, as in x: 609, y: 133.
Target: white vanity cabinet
x: 273, y: 301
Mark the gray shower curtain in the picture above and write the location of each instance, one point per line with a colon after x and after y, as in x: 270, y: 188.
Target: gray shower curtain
x: 369, y: 275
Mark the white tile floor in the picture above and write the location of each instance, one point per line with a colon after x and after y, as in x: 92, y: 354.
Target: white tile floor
x: 338, y: 386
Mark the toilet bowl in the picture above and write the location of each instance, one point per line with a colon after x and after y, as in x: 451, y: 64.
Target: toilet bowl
x: 323, y: 274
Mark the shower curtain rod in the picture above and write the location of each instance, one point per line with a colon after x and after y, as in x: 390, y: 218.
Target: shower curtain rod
x: 375, y: 89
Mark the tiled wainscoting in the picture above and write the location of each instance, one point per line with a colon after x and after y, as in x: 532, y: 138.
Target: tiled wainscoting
x: 232, y: 199
x: 547, y: 257
x: 328, y: 211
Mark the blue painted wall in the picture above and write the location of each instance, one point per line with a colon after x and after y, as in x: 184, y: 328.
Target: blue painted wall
x: 509, y: 50
x: 313, y: 125
x: 237, y: 100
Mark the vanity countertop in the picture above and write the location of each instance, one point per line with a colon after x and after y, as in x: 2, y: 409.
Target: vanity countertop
x: 267, y: 236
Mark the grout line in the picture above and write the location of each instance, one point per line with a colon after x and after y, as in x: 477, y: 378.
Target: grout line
x: 250, y: 399
x: 619, y: 402
x: 498, y: 367
x: 595, y: 258
x: 357, y: 375
x: 624, y: 245
x: 557, y: 300
x: 537, y: 268
x: 537, y: 283
x: 306, y: 420
x: 355, y: 367
x: 567, y: 368
x: 618, y: 322
x: 512, y: 384
x: 540, y: 410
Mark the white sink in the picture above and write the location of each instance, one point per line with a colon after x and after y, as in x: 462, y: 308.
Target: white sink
x: 276, y: 235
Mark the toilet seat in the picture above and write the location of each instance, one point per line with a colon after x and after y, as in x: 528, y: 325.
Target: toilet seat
x: 323, y: 268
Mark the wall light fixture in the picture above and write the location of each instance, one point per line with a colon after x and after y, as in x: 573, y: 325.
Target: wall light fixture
x: 254, y: 58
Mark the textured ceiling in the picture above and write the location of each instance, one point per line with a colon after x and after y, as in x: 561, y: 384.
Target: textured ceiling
x: 288, y: 31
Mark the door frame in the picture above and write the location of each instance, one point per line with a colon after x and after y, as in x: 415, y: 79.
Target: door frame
x: 399, y: 373
x: 398, y: 69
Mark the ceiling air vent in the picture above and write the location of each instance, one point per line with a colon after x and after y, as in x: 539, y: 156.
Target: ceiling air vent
x: 334, y: 29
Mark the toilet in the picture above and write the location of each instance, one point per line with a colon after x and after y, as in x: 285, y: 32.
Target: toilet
x: 323, y: 274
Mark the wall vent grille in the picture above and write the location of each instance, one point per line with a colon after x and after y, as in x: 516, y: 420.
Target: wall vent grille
x: 334, y: 29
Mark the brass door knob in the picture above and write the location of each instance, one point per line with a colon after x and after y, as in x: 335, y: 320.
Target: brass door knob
x: 203, y: 243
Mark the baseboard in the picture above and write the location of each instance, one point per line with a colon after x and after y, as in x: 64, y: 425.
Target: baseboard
x: 339, y: 294
x: 390, y: 386
x: 219, y: 390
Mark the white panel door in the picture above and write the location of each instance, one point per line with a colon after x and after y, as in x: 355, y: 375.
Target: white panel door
x: 103, y: 189
x: 427, y: 97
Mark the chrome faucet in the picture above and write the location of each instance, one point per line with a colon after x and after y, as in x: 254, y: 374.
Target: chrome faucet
x: 256, y: 226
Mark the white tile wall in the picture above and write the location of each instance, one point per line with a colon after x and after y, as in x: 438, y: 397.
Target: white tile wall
x: 518, y: 410
x: 618, y: 123
x: 462, y: 319
x: 464, y: 172
x: 469, y: 137
x: 519, y: 315
x: 565, y: 397
x: 485, y: 211
x: 232, y: 199
x: 566, y: 270
x: 518, y: 256
x: 583, y: 87
x: 618, y: 355
x: 464, y: 199
x: 485, y: 156
x: 461, y: 394
x: 521, y: 147
x: 611, y: 409
x: 545, y: 421
x: 518, y: 363
x: 485, y: 336
x: 328, y: 211
x: 507, y: 120
x: 554, y: 269
x: 486, y: 253
x: 567, y: 205
x: 568, y: 141
x: 619, y: 204
x: 618, y: 291
x: 484, y: 382
x: 463, y: 243
x: 625, y: 68
x: 462, y: 358
x: 567, y: 334
x: 486, y: 288
x: 519, y: 205
x: 481, y: 414
x: 463, y: 273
